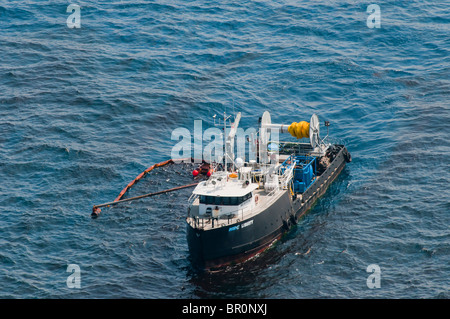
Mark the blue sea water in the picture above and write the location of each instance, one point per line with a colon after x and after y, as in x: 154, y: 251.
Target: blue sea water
x: 84, y: 110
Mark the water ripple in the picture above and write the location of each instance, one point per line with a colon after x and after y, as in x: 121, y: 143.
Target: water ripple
x: 83, y: 111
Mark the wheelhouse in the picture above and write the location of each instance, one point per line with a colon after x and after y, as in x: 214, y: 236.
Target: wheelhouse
x: 224, y: 200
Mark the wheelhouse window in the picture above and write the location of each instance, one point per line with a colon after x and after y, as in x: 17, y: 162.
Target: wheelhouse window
x: 219, y: 200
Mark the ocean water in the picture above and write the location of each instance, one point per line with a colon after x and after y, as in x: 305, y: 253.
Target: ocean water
x: 84, y: 110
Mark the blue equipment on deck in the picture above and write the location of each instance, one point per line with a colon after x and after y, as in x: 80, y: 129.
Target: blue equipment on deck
x: 304, y: 172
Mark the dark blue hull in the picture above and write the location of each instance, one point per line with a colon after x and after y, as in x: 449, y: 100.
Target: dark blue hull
x: 222, y: 246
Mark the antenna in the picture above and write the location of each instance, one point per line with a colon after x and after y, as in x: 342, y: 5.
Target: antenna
x: 229, y: 143
x: 228, y: 138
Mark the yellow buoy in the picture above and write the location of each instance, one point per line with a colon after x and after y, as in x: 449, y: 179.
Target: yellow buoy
x: 299, y: 130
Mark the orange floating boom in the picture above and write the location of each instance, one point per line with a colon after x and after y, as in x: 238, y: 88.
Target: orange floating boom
x: 140, y: 176
x: 96, y: 209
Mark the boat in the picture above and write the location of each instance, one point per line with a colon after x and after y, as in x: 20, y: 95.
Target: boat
x: 244, y: 207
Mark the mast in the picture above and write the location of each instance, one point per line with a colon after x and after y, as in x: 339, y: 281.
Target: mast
x: 224, y: 132
x: 229, y: 138
x: 229, y: 144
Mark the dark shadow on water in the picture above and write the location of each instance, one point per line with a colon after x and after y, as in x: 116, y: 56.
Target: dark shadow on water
x: 237, y: 281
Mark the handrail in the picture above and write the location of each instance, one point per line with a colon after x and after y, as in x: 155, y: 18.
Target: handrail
x: 236, y: 213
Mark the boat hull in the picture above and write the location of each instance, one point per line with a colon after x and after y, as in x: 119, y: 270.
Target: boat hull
x: 222, y: 246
